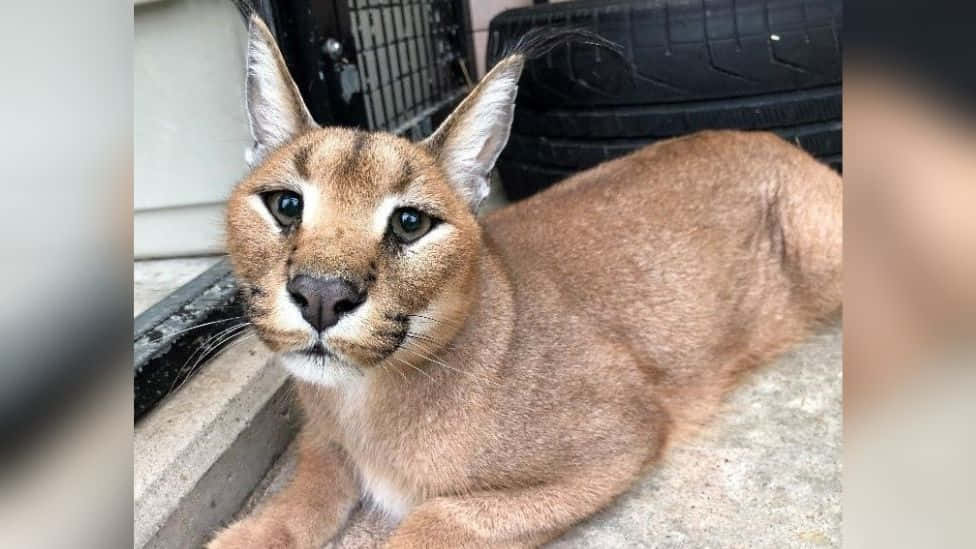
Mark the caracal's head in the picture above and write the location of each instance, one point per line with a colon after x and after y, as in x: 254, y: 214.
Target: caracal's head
x: 353, y: 249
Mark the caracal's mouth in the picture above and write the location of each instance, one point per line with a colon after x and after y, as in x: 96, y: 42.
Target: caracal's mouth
x: 318, y: 351
x: 322, y: 356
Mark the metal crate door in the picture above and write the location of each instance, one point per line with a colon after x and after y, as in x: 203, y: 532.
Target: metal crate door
x: 377, y: 64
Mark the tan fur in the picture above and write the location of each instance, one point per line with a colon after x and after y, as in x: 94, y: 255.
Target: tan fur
x: 564, y: 341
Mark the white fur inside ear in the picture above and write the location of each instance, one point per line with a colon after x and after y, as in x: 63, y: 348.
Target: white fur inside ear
x: 276, y: 112
x: 271, y: 121
x: 477, y: 131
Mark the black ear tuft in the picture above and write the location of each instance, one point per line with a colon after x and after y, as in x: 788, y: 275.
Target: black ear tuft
x: 540, y: 41
x: 245, y: 8
x: 276, y: 111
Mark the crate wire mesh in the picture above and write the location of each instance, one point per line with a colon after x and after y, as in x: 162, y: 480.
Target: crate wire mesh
x: 411, y: 60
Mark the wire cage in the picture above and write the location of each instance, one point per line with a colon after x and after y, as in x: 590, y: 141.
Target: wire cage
x: 411, y: 59
x: 376, y: 64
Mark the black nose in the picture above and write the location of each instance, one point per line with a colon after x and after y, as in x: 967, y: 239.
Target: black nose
x: 324, y: 300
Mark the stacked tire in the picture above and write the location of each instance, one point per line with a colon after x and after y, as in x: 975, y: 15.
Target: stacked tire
x: 684, y: 66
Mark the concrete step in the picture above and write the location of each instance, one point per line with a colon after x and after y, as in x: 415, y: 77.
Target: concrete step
x: 199, y: 454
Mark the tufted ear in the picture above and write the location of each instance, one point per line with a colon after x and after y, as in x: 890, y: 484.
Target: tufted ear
x: 275, y: 109
x: 469, y: 141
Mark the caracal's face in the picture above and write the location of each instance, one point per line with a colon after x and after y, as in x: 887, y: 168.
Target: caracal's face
x: 354, y: 250
x: 371, y: 214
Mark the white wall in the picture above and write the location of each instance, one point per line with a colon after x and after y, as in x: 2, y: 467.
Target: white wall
x: 190, y: 127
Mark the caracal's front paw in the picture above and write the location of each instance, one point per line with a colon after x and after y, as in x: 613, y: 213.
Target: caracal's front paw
x: 254, y: 534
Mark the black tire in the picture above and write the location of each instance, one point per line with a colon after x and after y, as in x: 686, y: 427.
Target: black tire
x: 820, y: 140
x: 677, y: 51
x: 686, y: 66
x: 775, y: 110
x: 523, y: 180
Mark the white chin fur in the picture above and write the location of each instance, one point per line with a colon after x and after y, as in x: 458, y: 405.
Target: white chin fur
x: 323, y: 371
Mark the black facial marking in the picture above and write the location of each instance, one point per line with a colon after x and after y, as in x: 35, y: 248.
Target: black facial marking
x: 405, y: 177
x: 353, y: 160
x: 389, y: 245
x: 253, y: 311
x: 370, y: 278
x: 400, y: 317
x: 395, y: 337
x: 247, y: 295
x: 398, y: 337
x: 301, y: 161
x: 318, y: 350
x: 399, y: 333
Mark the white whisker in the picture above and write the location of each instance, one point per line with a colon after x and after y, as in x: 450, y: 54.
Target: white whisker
x: 441, y: 363
x: 211, y: 343
x: 414, y: 367
x: 191, y: 328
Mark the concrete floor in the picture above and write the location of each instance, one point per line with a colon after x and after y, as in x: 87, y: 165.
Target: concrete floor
x: 765, y: 474
x: 154, y: 279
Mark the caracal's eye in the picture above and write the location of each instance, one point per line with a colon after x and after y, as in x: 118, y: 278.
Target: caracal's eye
x: 409, y: 224
x: 285, y: 206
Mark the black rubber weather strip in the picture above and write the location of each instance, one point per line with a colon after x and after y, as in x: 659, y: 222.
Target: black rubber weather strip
x: 170, y: 336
